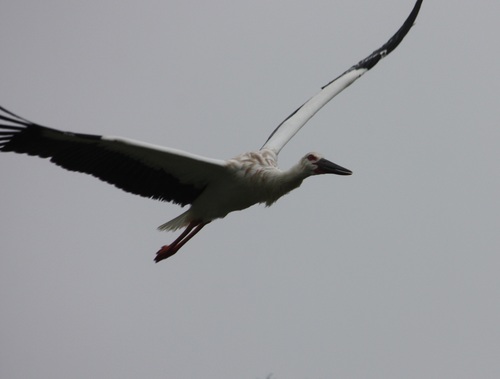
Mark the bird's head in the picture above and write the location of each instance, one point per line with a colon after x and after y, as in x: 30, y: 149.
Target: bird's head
x: 315, y: 164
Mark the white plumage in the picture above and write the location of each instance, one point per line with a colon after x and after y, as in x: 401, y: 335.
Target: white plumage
x: 212, y: 187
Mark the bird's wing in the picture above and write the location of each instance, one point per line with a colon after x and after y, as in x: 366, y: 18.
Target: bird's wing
x: 291, y: 125
x: 133, y: 166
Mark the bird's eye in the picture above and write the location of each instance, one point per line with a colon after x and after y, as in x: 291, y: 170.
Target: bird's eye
x: 311, y: 157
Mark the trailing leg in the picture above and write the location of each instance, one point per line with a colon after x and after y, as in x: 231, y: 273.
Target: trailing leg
x: 168, y: 250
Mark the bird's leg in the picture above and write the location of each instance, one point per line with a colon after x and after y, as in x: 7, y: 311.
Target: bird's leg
x: 188, y: 233
x: 169, y: 250
x: 199, y: 226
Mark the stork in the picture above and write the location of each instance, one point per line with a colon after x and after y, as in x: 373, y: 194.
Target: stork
x: 212, y: 187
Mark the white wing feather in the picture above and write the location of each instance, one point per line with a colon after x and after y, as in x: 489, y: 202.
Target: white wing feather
x: 291, y: 125
x: 299, y: 118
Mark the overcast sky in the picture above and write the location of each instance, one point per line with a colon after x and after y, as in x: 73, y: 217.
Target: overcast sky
x: 389, y: 273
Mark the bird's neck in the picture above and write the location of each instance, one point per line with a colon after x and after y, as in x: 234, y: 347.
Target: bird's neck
x: 285, y: 182
x: 296, y: 173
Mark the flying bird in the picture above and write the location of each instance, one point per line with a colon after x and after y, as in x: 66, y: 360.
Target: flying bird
x: 212, y: 187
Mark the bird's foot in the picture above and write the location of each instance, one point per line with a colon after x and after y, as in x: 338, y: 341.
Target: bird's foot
x: 165, y: 252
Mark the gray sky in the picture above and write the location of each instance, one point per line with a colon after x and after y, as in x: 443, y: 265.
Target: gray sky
x: 390, y: 273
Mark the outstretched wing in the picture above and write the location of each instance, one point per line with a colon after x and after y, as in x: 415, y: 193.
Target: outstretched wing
x: 133, y: 166
x: 291, y: 125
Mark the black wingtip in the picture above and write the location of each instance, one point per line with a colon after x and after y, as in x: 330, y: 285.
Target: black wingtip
x: 388, y: 47
x: 10, y: 126
x: 12, y: 117
x: 393, y: 42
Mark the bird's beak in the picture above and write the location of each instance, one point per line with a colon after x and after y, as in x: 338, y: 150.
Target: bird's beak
x: 327, y: 167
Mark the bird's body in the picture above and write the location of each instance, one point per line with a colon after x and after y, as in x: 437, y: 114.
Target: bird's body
x: 212, y: 187
x: 249, y: 179
x: 252, y: 178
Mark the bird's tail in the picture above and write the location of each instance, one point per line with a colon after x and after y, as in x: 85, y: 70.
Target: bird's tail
x: 180, y: 221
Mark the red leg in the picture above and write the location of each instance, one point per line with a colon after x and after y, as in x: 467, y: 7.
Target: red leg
x: 168, y: 250
x: 191, y: 235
